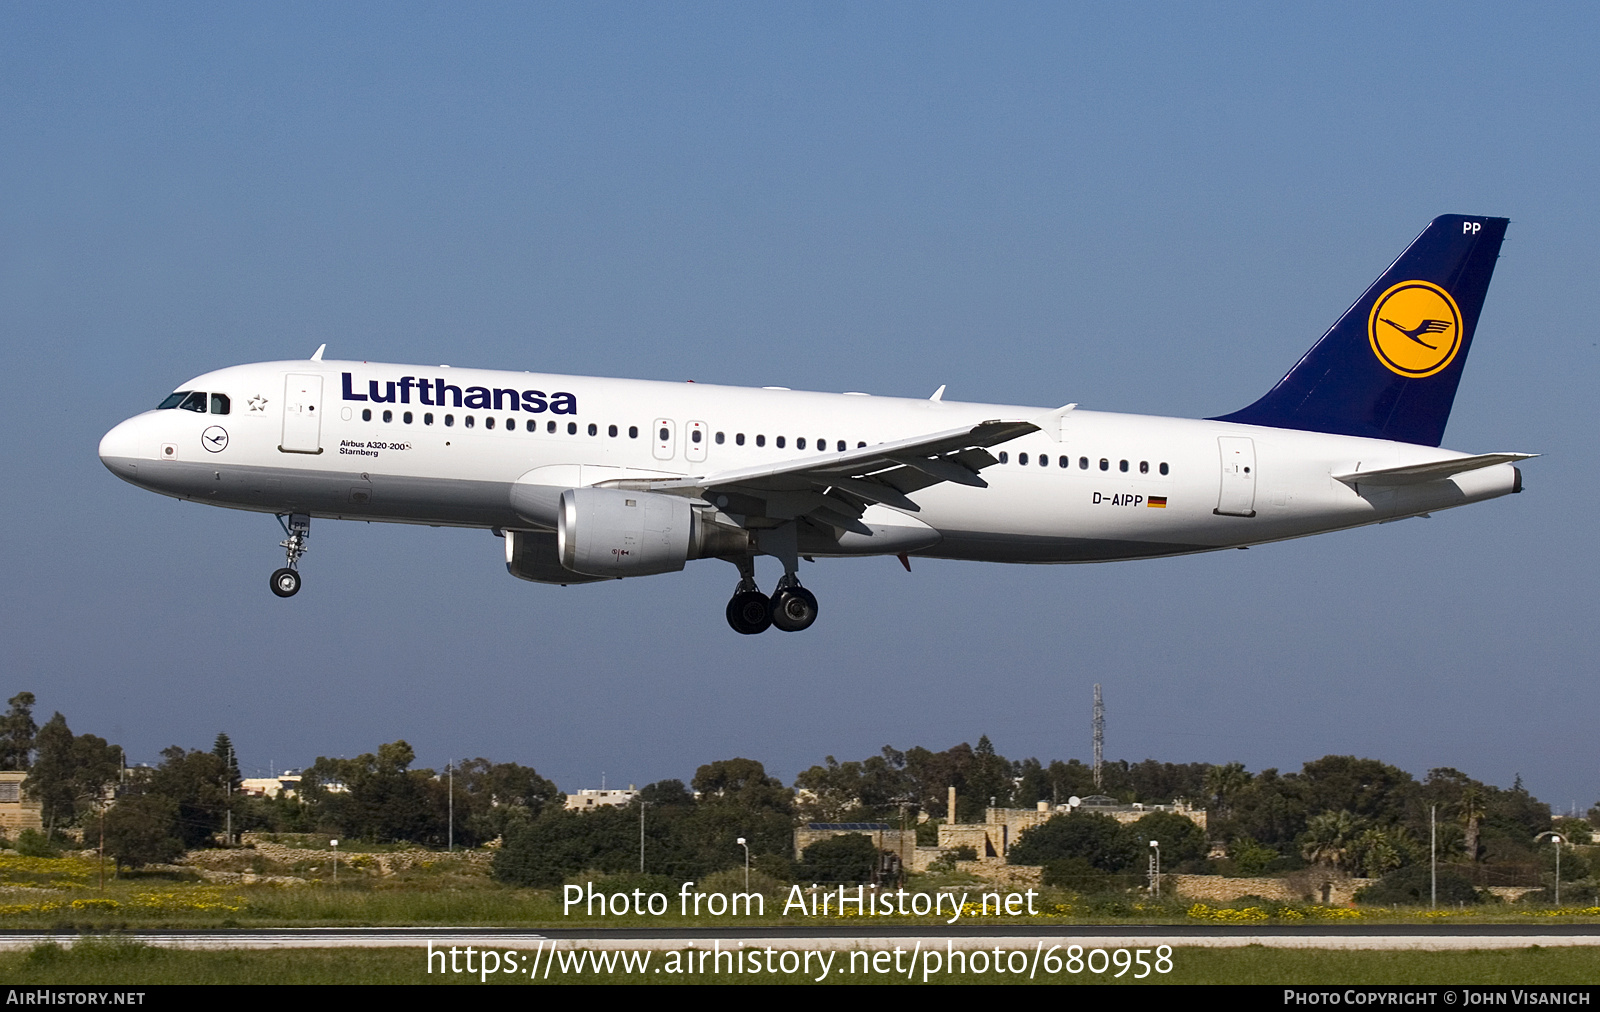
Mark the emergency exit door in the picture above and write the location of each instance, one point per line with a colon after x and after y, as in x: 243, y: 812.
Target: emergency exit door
x: 302, y: 414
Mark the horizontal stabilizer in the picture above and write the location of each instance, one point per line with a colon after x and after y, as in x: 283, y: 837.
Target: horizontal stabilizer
x: 1415, y: 474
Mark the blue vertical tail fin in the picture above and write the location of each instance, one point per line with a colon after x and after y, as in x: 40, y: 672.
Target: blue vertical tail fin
x: 1390, y: 366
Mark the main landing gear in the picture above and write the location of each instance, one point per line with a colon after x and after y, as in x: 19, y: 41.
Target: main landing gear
x: 791, y: 607
x: 286, y: 581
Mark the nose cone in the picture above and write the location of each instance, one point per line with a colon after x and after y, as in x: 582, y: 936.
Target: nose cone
x: 122, y: 449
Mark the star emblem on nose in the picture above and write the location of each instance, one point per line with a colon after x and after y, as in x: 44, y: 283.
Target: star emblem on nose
x: 258, y: 403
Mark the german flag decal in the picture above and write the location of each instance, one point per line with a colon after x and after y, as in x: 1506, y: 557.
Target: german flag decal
x: 1158, y: 502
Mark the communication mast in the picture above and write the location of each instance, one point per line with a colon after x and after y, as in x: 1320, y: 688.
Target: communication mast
x: 1099, y: 736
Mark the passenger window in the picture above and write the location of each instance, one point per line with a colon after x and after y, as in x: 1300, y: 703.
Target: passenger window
x: 799, y: 444
x: 633, y: 431
x: 572, y: 428
x: 611, y: 430
x: 219, y: 404
x: 778, y: 442
x: 1065, y: 462
x: 738, y: 438
x: 427, y: 418
x: 840, y: 446
x: 1004, y: 457
x: 1022, y: 458
x: 1083, y: 463
x: 719, y: 439
x: 594, y: 430
x: 388, y: 416
x: 449, y: 420
x: 550, y: 427
x: 1163, y: 467
x: 860, y: 445
x: 194, y: 402
x: 1123, y: 467
x: 366, y: 414
x: 822, y: 445
x: 172, y: 400
x: 488, y: 423
x: 1144, y: 467
x: 1105, y: 465
x: 468, y: 422
x: 694, y: 435
x: 406, y: 418
x: 761, y: 440
x: 1044, y: 460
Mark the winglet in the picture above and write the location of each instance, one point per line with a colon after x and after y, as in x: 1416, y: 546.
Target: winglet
x: 938, y: 395
x: 1053, y: 423
x: 316, y: 356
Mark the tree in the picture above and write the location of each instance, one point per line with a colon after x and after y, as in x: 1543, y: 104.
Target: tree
x: 142, y: 830
x: 1223, y: 784
x: 738, y: 799
x: 223, y: 749
x: 990, y: 775
x: 1099, y: 840
x: 17, y: 731
x: 559, y: 843
x: 71, y: 772
x: 830, y: 792
x: 932, y: 774
x: 1470, y: 811
x: 850, y: 858
x: 383, y: 798
x: 1329, y: 838
x: 1180, y: 838
x: 196, y: 782
x: 1413, y: 886
x: 492, y: 797
x: 1376, y: 852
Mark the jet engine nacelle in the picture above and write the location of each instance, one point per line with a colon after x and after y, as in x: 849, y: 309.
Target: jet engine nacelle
x: 534, y: 555
x: 608, y: 532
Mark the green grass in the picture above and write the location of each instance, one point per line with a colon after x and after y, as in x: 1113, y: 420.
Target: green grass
x: 109, y: 961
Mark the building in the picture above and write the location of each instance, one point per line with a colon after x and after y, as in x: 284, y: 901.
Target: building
x: 589, y: 800
x: 17, y: 811
x: 287, y: 785
x: 1000, y: 827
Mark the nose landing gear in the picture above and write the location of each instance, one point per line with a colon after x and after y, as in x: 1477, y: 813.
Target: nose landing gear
x: 286, y: 581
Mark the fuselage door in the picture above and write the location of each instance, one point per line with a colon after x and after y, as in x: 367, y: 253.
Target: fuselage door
x: 664, y: 431
x: 695, y: 435
x: 302, y: 414
x: 1237, y: 497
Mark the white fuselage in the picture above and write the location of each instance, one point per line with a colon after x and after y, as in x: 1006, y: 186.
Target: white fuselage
x: 1095, y: 494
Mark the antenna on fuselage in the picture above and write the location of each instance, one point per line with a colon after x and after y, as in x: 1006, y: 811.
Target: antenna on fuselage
x: 316, y: 356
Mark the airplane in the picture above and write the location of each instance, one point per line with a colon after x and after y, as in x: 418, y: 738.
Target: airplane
x: 590, y: 479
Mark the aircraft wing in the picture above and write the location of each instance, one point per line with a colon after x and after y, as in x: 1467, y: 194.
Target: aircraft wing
x: 1415, y: 474
x: 836, y: 488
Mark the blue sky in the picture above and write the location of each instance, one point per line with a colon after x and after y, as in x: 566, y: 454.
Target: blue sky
x: 1149, y: 208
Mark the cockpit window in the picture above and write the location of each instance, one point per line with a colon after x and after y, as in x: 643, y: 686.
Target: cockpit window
x: 194, y: 402
x: 219, y: 404
x: 173, y: 400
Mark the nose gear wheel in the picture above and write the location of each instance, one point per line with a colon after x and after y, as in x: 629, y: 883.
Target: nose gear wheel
x: 286, y: 581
